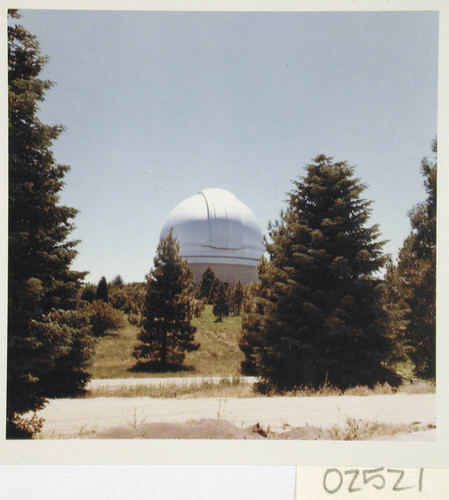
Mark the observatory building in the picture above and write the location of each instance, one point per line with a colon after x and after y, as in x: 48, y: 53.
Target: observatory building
x: 216, y: 230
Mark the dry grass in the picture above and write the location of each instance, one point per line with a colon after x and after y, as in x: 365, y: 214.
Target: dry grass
x: 359, y: 390
x: 356, y: 429
x: 224, y: 388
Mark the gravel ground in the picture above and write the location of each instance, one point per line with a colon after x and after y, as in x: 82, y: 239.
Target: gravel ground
x: 78, y: 417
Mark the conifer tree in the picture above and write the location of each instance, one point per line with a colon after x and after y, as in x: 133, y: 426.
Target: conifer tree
x: 207, y: 284
x: 169, y: 308
x: 102, y: 290
x: 237, y: 297
x: 323, y: 317
x: 252, y: 323
x: 118, y: 281
x: 41, y: 286
x: 417, y: 271
x: 221, y: 300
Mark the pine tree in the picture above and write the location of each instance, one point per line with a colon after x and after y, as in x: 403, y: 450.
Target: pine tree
x: 237, y: 297
x: 323, y: 317
x: 206, y: 284
x: 221, y: 300
x: 102, y: 292
x: 397, y: 309
x: 118, y: 282
x: 40, y: 282
x: 417, y: 270
x: 253, y: 322
x: 169, y: 308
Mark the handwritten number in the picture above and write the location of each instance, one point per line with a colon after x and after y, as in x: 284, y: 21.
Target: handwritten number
x: 401, y: 475
x: 375, y: 476
x: 372, y: 476
x: 325, y: 477
x: 351, y: 488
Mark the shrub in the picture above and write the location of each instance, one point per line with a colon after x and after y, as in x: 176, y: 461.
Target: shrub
x: 104, y: 317
x: 88, y: 293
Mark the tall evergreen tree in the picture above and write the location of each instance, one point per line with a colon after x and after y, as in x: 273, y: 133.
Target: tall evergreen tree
x: 221, y: 300
x: 237, y: 297
x: 102, y: 292
x: 40, y: 281
x: 323, y: 317
x: 169, y: 308
x: 253, y: 317
x: 417, y: 270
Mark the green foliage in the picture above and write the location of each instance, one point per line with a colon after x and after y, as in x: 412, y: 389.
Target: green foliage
x: 102, y: 290
x: 67, y: 375
x: 103, y: 317
x: 118, y: 282
x: 417, y: 273
x: 88, y: 293
x: 130, y: 298
x: 252, y: 324
x: 207, y: 284
x: 169, y: 308
x: 221, y: 300
x: 218, y: 354
x: 397, y: 309
x: 39, y: 277
x: 237, y: 298
x: 319, y: 314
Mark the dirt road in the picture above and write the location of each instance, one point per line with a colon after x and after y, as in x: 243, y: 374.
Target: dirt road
x: 75, y: 417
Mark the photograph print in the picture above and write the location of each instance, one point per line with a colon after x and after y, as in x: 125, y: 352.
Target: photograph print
x: 222, y: 225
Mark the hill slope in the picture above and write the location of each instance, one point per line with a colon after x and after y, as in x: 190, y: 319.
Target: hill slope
x: 218, y: 355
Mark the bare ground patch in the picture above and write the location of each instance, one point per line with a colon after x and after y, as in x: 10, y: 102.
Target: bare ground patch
x: 344, y: 416
x: 222, y: 429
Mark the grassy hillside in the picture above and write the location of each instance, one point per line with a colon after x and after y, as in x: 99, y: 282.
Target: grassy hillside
x: 219, y: 353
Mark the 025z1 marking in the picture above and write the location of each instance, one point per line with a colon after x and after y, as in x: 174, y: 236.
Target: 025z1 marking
x: 371, y: 477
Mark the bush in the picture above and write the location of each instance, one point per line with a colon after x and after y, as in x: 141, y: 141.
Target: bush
x: 88, y: 293
x: 135, y: 319
x: 117, y: 298
x: 104, y: 317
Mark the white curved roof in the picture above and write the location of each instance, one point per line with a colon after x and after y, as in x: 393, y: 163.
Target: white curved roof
x: 215, y: 227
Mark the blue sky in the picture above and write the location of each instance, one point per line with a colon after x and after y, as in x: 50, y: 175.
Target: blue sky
x: 159, y: 105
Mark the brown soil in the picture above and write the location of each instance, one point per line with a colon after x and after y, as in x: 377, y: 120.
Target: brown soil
x: 202, y: 429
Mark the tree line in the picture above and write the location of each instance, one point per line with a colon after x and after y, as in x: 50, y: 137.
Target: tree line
x: 329, y: 306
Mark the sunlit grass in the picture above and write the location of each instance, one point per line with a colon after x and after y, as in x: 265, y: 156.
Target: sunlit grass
x: 218, y: 355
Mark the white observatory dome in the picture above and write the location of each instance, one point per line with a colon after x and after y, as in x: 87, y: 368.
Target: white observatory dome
x: 217, y: 230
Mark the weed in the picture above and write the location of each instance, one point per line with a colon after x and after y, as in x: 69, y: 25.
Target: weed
x: 135, y: 422
x: 285, y: 424
x: 356, y: 429
x: 221, y: 408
